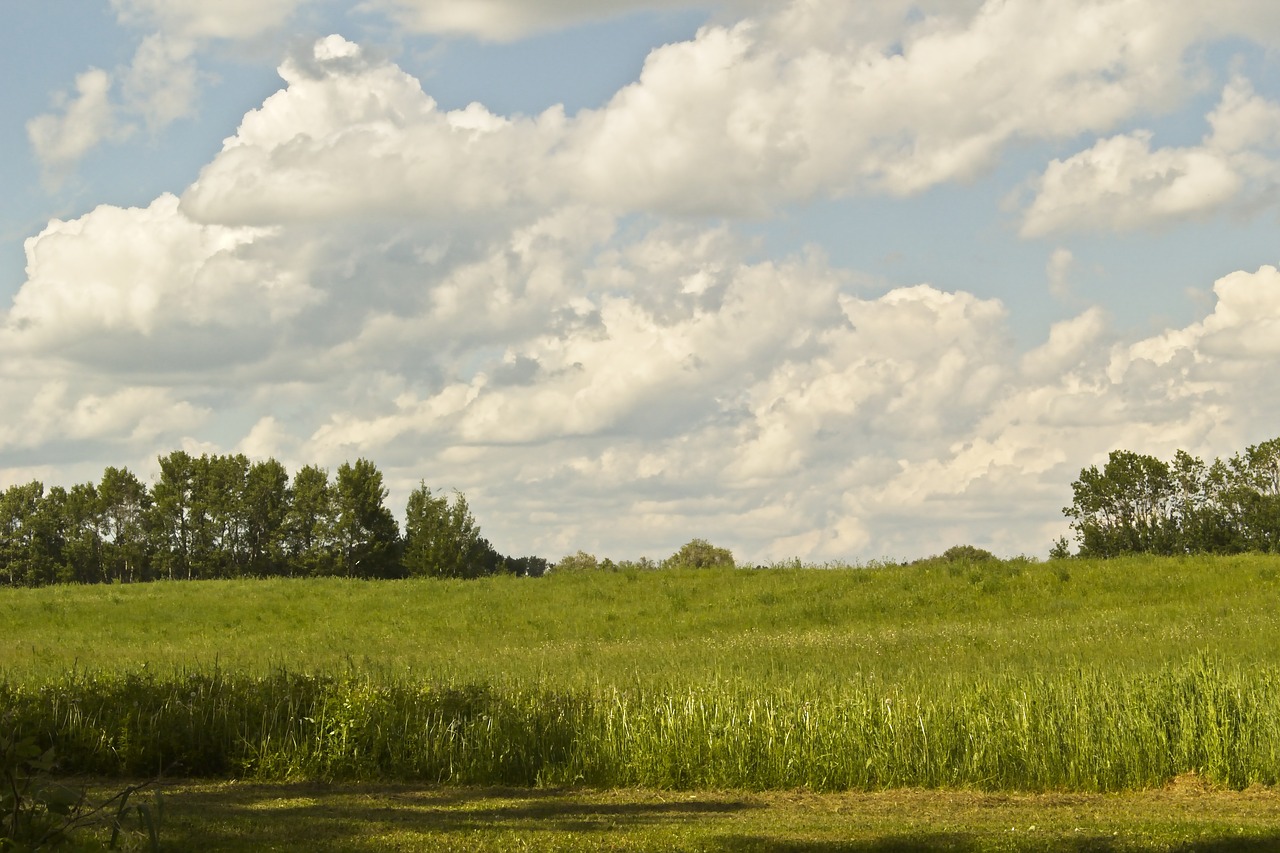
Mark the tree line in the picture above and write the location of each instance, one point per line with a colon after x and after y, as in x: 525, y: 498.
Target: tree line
x: 226, y: 517
x: 1138, y: 504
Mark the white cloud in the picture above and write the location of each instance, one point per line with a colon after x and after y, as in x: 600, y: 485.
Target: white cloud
x: 161, y: 83
x: 159, y: 86
x: 1071, y: 343
x: 1245, y: 323
x: 59, y: 139
x: 746, y: 117
x: 65, y: 410
x: 198, y: 19
x: 504, y: 20
x: 142, y: 286
x: 567, y: 376
x: 1123, y: 183
x: 1058, y: 271
x: 356, y: 137
x: 497, y: 303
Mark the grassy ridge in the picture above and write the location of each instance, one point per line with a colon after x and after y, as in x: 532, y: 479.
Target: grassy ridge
x: 788, y: 628
x: 1080, y: 676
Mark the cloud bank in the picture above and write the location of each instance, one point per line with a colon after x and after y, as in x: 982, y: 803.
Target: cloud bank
x: 538, y: 311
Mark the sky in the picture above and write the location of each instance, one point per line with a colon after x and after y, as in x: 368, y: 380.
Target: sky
x: 819, y: 279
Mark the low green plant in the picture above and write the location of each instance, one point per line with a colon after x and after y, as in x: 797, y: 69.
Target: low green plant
x: 38, y: 812
x: 34, y: 812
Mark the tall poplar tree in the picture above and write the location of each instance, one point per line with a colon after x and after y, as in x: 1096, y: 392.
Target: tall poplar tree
x: 366, y: 532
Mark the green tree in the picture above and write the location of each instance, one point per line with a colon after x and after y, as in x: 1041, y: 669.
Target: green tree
x: 219, y: 500
x: 173, y: 515
x: 442, y: 538
x: 1125, y: 508
x: 366, y: 532
x: 266, y: 508
x: 82, y: 537
x: 309, y: 524
x: 123, y: 503
x: 967, y: 554
x: 19, y: 542
x: 1251, y: 497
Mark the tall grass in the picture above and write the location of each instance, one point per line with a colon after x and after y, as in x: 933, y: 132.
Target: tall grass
x: 1082, y: 730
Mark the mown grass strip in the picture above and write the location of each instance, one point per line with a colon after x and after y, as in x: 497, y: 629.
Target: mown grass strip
x: 1187, y: 817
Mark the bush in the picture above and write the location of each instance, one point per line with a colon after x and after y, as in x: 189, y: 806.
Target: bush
x: 967, y: 554
x: 579, y: 562
x: 700, y: 554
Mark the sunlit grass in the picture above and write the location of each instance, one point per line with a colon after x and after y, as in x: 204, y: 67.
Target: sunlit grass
x: 786, y: 627
x: 1018, y: 675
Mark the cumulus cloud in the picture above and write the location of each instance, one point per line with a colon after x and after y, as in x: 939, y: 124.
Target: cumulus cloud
x: 630, y: 390
x: 746, y: 117
x: 352, y: 136
x: 500, y: 303
x: 144, y: 287
x: 65, y: 410
x: 78, y: 124
x: 1123, y: 183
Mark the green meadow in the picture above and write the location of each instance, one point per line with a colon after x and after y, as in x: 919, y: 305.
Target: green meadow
x: 1004, y: 676
x: 908, y: 626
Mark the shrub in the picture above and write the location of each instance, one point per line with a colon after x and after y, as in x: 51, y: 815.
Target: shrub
x: 579, y: 562
x: 967, y: 554
x: 700, y: 554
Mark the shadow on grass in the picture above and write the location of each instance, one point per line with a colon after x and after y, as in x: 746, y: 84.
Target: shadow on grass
x: 964, y: 843
x: 314, y: 817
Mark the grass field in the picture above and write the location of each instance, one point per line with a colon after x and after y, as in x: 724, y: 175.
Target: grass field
x: 1060, y: 678
x: 909, y: 626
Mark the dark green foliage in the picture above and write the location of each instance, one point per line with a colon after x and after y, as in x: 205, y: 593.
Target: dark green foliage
x: 23, y: 549
x: 123, y: 506
x: 32, y: 811
x: 37, y: 812
x: 523, y: 567
x: 266, y: 507
x: 967, y: 554
x: 1138, y: 504
x: 443, y: 540
x: 309, y: 523
x: 173, y: 515
x: 366, y: 534
x: 958, y: 555
x: 213, y: 517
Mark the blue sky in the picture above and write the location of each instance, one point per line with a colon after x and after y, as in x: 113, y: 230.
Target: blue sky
x: 816, y: 279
